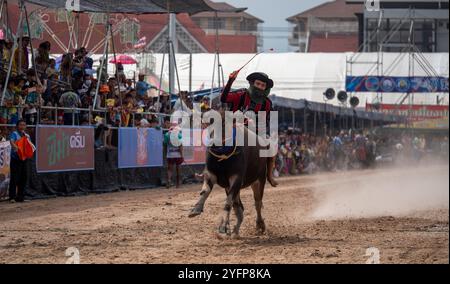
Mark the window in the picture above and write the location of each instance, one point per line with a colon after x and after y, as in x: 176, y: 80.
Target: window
x: 212, y: 23
x: 301, y: 27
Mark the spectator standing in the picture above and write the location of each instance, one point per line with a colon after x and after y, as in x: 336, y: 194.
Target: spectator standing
x: 19, y: 171
x: 21, y: 53
x: 33, y: 98
x: 142, y: 87
x: 174, y: 154
x: 70, y: 99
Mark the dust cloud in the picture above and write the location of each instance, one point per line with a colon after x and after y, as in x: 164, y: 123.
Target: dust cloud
x: 399, y: 192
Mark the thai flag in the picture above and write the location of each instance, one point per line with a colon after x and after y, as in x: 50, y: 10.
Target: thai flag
x: 142, y: 42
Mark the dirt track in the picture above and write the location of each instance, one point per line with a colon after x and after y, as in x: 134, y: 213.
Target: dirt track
x: 151, y: 226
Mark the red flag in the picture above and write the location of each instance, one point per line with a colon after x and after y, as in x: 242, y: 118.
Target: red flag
x: 25, y: 148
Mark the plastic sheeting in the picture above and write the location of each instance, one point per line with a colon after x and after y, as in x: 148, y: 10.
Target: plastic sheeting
x: 130, y: 6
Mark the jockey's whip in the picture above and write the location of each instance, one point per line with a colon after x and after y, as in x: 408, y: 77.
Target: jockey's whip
x: 264, y: 51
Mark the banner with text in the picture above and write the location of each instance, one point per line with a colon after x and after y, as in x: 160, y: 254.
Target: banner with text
x: 382, y: 84
x: 419, y: 116
x: 64, y: 148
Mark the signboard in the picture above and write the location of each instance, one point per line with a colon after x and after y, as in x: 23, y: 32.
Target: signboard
x: 64, y: 148
x: 419, y: 116
x: 5, y: 159
x: 140, y: 147
x: 382, y: 84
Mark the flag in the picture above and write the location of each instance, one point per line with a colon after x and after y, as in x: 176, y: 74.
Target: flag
x: 141, y: 43
x: 25, y: 149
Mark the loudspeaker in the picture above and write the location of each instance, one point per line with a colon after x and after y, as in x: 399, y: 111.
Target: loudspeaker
x: 342, y: 96
x: 329, y: 94
x: 354, y: 101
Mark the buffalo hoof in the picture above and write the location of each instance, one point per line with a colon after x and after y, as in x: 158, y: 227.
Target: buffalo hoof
x: 223, y: 233
x: 260, y: 227
x: 222, y: 236
x: 235, y: 236
x: 195, y: 212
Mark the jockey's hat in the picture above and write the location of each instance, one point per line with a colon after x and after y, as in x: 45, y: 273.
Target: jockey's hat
x: 262, y: 77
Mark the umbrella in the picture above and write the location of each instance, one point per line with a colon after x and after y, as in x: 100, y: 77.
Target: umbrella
x: 123, y: 59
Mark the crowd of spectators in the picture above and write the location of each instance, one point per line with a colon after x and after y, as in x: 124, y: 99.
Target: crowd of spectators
x: 37, y: 84
x: 346, y: 150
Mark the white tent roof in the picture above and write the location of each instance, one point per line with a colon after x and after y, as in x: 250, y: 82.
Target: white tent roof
x: 305, y: 75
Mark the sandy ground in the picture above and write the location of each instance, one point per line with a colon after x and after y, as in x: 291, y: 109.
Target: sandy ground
x: 151, y: 226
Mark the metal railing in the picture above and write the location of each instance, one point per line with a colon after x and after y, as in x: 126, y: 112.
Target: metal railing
x: 90, y: 111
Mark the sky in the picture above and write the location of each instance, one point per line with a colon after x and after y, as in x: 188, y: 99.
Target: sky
x: 274, y: 14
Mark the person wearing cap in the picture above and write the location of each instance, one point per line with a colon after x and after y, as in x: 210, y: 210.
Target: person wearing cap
x: 103, y: 92
x: 254, y: 98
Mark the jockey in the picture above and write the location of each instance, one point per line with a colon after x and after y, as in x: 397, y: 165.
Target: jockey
x: 255, y: 99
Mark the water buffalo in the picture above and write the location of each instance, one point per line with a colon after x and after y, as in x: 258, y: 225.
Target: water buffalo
x: 235, y: 168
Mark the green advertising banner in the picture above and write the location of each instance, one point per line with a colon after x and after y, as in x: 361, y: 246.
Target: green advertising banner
x: 64, y: 148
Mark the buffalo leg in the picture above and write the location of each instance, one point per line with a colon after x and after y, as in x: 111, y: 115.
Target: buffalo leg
x: 258, y: 193
x: 239, y: 212
x: 208, y: 184
x: 232, y: 194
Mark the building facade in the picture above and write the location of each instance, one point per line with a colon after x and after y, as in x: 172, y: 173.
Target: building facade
x: 68, y: 31
x: 230, y: 24
x: 330, y: 27
x: 398, y: 24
